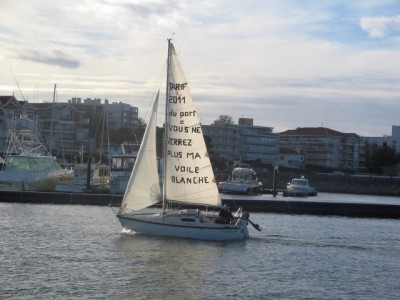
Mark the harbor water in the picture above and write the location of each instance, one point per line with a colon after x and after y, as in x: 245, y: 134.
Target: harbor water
x: 79, y: 252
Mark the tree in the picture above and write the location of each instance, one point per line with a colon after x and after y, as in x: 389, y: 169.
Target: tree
x: 386, y: 156
x: 141, y: 128
x: 380, y: 156
x: 120, y: 135
x: 228, y: 120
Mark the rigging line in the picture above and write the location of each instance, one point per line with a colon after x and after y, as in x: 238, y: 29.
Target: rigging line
x: 17, y: 85
x: 61, y: 127
x: 156, y: 90
x: 108, y: 140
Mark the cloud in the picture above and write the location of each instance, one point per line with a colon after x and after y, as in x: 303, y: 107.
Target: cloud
x: 378, y: 27
x: 292, y: 64
x: 57, y: 58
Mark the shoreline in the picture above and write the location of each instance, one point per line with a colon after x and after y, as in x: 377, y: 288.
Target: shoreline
x: 340, y: 184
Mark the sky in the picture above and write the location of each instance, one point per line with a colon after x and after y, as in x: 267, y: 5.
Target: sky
x: 284, y: 63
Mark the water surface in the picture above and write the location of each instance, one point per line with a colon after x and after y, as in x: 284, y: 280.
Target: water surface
x: 79, y: 252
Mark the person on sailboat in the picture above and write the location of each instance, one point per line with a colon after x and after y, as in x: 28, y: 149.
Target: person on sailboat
x: 225, y: 215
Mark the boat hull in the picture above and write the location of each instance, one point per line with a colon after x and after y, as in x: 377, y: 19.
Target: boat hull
x: 25, y: 184
x: 299, y: 193
x: 299, y: 187
x: 183, y: 225
x: 242, y: 188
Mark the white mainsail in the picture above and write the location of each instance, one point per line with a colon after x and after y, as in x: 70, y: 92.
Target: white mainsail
x: 143, y: 188
x: 188, y: 176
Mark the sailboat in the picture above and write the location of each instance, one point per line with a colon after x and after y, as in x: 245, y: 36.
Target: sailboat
x: 188, y: 178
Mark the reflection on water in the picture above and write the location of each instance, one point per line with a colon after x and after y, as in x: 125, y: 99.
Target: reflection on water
x: 178, y: 266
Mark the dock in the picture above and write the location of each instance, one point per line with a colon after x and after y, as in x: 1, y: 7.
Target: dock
x: 262, y: 203
x: 61, y: 198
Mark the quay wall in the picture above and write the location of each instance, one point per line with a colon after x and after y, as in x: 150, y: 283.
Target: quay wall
x: 248, y: 203
x: 347, y: 183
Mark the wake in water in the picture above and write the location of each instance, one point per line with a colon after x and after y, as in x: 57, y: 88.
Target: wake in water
x: 127, y: 231
x: 285, y: 240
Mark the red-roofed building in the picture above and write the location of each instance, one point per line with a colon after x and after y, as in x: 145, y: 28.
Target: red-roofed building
x: 325, y: 147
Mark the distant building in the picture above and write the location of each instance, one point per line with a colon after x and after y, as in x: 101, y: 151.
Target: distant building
x: 392, y: 141
x: 63, y: 128
x: 242, y: 141
x: 66, y: 128
x: 325, y: 147
x: 119, y: 114
x: 122, y: 115
x: 292, y: 159
x: 70, y: 127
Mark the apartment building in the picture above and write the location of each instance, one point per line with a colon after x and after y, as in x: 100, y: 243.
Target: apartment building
x: 242, y: 141
x: 325, y: 147
x: 63, y: 128
x: 392, y: 141
x: 292, y: 159
x: 70, y: 127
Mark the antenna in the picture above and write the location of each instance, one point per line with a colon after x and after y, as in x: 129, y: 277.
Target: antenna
x: 17, y: 85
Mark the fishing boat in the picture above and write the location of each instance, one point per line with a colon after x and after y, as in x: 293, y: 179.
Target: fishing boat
x: 243, y: 180
x: 188, y: 177
x: 28, y: 166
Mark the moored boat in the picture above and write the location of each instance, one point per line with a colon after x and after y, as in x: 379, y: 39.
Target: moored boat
x: 121, y: 169
x: 28, y: 166
x: 87, y: 178
x: 243, y: 180
x: 299, y: 187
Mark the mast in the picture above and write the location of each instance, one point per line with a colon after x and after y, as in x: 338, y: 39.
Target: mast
x: 52, y: 120
x: 102, y: 133
x: 165, y: 128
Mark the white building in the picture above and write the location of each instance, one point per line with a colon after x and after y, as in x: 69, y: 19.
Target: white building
x: 243, y: 141
x: 392, y: 141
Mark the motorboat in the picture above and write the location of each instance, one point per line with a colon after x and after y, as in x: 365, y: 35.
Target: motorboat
x: 243, y: 180
x: 299, y: 187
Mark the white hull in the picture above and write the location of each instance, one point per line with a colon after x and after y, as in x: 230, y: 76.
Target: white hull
x: 299, y: 187
x: 243, y: 181
x: 245, y: 188
x: 30, y: 181
x: 191, y: 224
x: 71, y: 187
x: 300, y: 192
